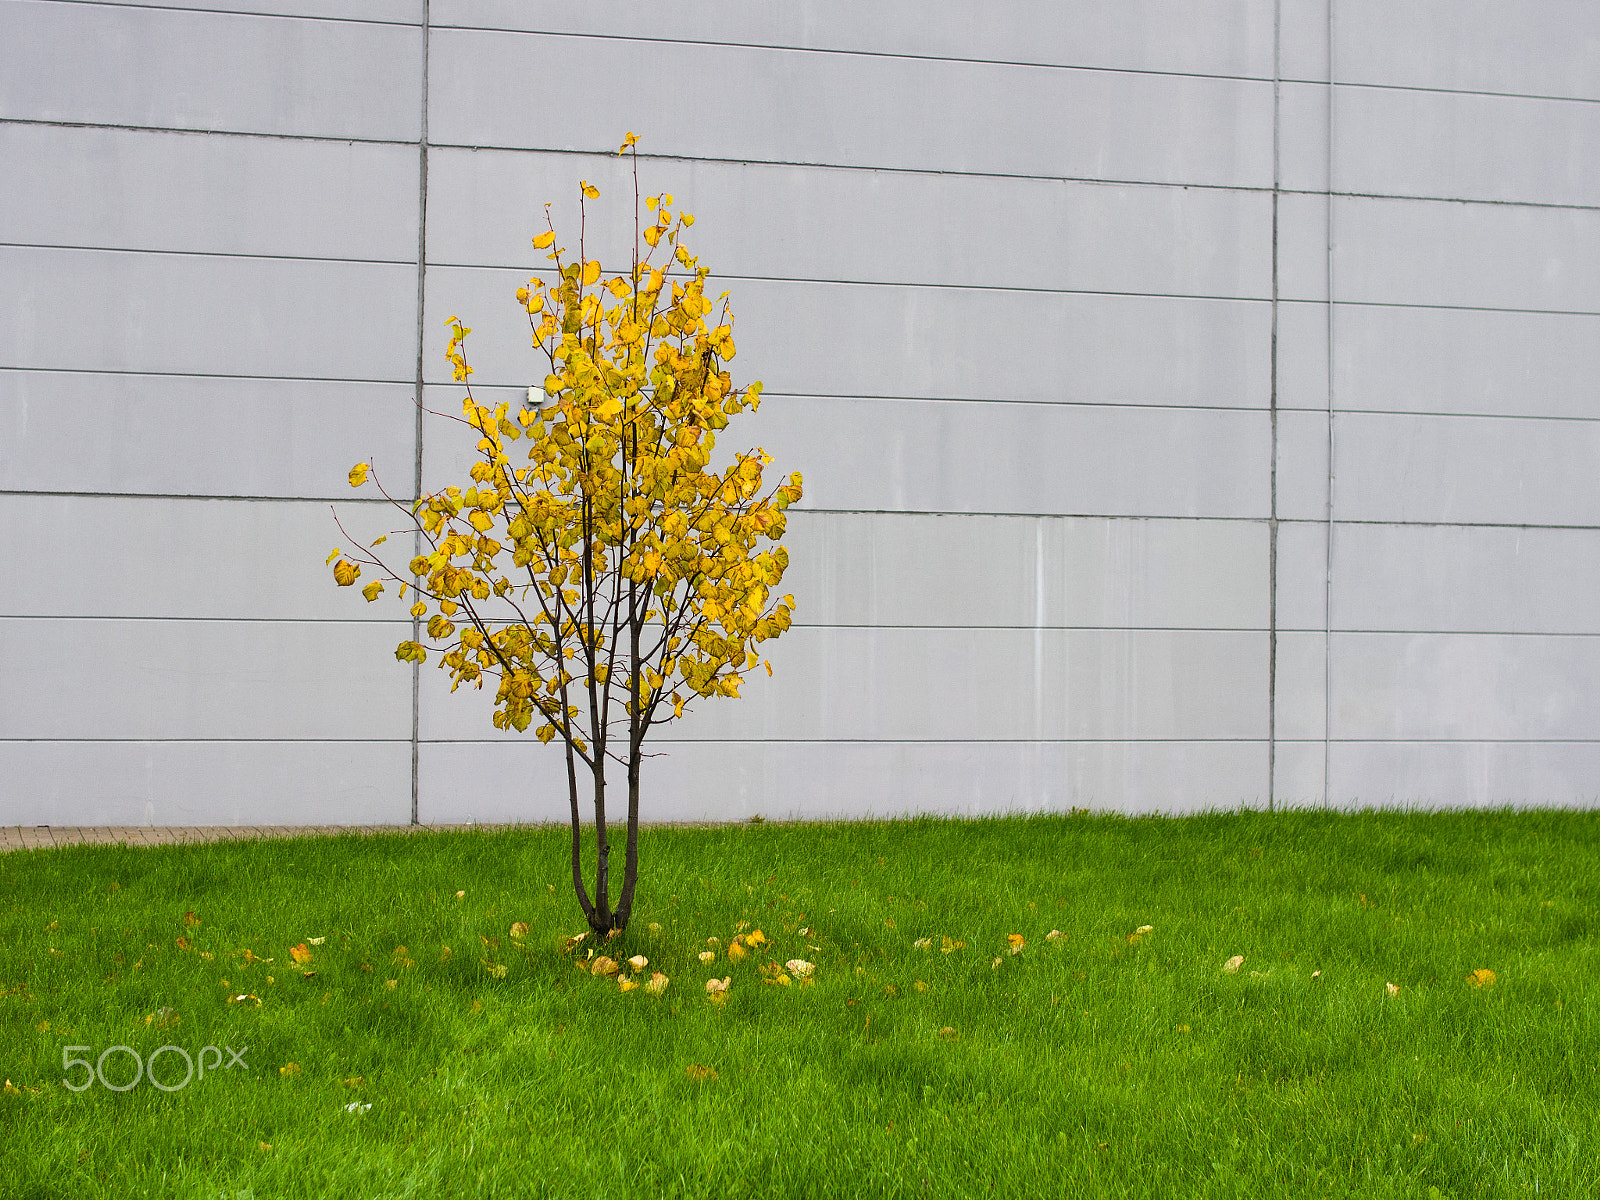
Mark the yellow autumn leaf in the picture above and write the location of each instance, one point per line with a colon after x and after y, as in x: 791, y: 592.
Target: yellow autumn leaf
x: 755, y: 938
x: 372, y: 590
x: 638, y: 962
x: 736, y: 952
x: 626, y: 984
x: 590, y: 192
x: 300, y: 953
x: 545, y: 240
x: 1015, y: 941
x: 591, y: 271
x: 631, y: 140
x: 1233, y: 964
x: 358, y: 474
x: 345, y: 572
x: 707, y: 956
x: 1481, y: 978
x: 657, y: 983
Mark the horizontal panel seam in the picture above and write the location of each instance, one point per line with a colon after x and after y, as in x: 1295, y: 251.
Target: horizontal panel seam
x: 240, y: 12
x: 944, y: 628
x: 170, y: 252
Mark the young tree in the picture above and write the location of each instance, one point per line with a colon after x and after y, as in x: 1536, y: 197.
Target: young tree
x: 617, y: 576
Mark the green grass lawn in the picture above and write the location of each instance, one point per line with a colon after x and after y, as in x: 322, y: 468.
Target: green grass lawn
x: 1087, y: 1065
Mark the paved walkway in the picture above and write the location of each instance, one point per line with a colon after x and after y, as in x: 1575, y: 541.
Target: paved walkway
x: 46, y: 837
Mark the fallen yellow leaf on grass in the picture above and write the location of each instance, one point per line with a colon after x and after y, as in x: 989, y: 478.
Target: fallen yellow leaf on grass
x: 604, y: 966
x: 718, y: 986
x: 265, y: 1146
x: 949, y: 945
x: 316, y: 941
x: 755, y: 938
x: 655, y: 927
x: 625, y: 984
x: 948, y: 1033
x: 519, y: 931
x: 1391, y: 989
x: 922, y: 943
x: 696, y: 1071
x: 246, y: 998
x: 391, y: 984
x: 1233, y: 964
x: 289, y: 1069
x: 1055, y: 935
x: 461, y: 895
x: 1137, y: 935
x: 498, y: 970
x: 638, y: 962
x: 737, y: 952
x: 300, y: 953
x: 1481, y: 978
x: 658, y: 983
x: 355, y: 1081
x: 800, y: 968
x: 1016, y: 941
x: 707, y: 956
x: 190, y: 919
x: 11, y: 1089
x: 184, y: 943
x: 573, y: 942
x: 402, y: 957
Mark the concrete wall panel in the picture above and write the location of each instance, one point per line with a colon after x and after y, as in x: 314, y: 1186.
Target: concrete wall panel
x: 82, y: 431
x: 1302, y: 465
x: 1551, y: 48
x: 77, y: 310
x: 1300, y: 693
x: 1474, y: 470
x: 780, y: 221
x: 123, y: 189
x: 957, y: 570
x: 1466, y: 255
x: 205, y: 783
x: 986, y: 457
x: 1449, y: 578
x: 1303, y: 575
x: 402, y: 12
x: 1464, y: 687
x: 156, y: 557
x: 889, y: 684
x: 1209, y: 37
x: 1463, y: 361
x: 852, y: 110
x: 933, y: 343
x: 1394, y: 142
x: 696, y: 781
x: 176, y: 69
x: 182, y: 680
x: 1426, y: 775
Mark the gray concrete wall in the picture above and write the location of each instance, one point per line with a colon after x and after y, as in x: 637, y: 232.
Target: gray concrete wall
x: 1179, y: 429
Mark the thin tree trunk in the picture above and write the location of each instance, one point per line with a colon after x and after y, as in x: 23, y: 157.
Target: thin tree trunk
x: 630, y: 865
x: 577, y: 840
x: 601, y: 920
